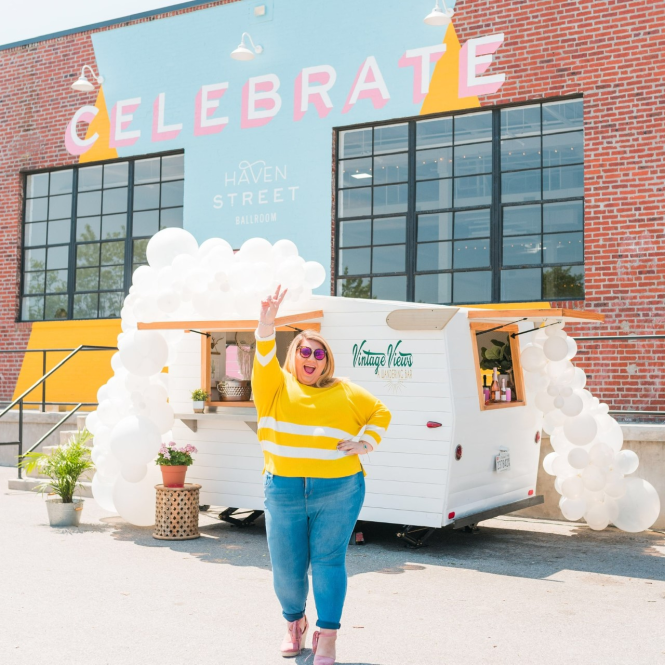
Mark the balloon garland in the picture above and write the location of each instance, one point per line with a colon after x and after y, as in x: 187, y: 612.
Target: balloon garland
x: 182, y: 281
x: 588, y: 461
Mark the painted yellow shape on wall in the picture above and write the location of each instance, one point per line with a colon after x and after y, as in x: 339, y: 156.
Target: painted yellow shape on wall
x: 444, y: 86
x: 81, y: 377
x: 101, y: 125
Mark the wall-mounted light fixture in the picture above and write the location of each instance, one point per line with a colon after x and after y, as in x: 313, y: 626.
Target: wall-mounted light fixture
x: 244, y: 53
x: 83, y: 85
x: 438, y: 17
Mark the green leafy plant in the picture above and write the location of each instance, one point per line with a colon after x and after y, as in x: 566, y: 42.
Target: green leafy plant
x: 64, y: 466
x: 199, y: 395
x: 498, y: 355
x: 169, y: 455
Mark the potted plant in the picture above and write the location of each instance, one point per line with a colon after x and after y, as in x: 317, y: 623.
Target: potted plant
x: 199, y: 397
x: 64, y: 467
x: 174, y: 462
x: 499, y: 355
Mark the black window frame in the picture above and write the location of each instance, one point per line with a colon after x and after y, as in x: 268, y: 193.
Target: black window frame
x: 496, y: 205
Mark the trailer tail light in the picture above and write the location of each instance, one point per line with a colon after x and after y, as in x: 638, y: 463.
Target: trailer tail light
x: 530, y: 492
x: 458, y: 452
x: 451, y: 515
x: 433, y: 424
x: 537, y: 437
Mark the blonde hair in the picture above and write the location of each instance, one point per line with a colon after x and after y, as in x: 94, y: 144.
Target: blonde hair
x: 327, y: 377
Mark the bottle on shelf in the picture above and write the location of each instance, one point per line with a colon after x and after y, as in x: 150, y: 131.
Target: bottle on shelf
x: 495, y: 391
x: 486, y: 389
x: 503, y: 396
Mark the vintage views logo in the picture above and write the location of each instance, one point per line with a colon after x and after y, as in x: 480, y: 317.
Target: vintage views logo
x: 392, y: 365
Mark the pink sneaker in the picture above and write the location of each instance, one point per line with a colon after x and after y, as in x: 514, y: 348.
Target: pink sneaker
x: 294, y: 641
x: 322, y: 660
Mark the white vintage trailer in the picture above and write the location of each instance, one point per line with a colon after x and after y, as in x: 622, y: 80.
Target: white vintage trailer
x: 437, y: 464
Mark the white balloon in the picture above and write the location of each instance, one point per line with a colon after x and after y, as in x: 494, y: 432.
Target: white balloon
x: 552, y: 420
x: 559, y: 442
x: 572, y: 348
x: 168, y: 243
x: 561, y: 467
x: 134, y: 473
x: 626, y: 461
x: 103, y: 494
x: 555, y: 348
x: 594, y: 479
x: 558, y: 403
x: 291, y: 272
x: 102, y: 436
x: 578, y: 458
x: 145, y: 353
x: 572, y: 509
x: 108, y: 466
x: 548, y: 463
x: 581, y: 429
x: 208, y: 245
x: 92, y: 422
x: 168, y: 301
x: 135, y: 440
x: 557, y: 485
x: 219, y: 256
x: 555, y: 329
x: 572, y: 406
x: 255, y: 250
x: 145, y: 279
x: 110, y: 411
x: 601, y: 455
x: 135, y: 502
x: 532, y: 358
x: 639, y: 507
x: 161, y: 414
x: 613, y: 437
x: 315, y: 274
x: 597, y: 517
x: 544, y: 401
x: 102, y: 394
x: 283, y: 249
x: 572, y: 487
x: 615, y: 485
x: 579, y: 381
x: 566, y: 392
x: 612, y: 506
x: 182, y: 265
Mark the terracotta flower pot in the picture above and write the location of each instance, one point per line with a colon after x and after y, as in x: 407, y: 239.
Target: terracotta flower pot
x: 174, y: 476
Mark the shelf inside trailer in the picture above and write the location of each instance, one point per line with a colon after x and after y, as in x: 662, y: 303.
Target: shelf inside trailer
x: 246, y: 414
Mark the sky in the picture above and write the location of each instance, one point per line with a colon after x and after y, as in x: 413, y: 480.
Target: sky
x: 33, y: 18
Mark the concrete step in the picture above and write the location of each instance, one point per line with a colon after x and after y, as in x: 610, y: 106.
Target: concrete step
x: 66, y: 435
x: 80, y: 421
x: 29, y: 485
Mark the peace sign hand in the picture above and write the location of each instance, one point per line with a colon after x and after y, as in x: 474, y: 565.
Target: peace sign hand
x: 270, y: 307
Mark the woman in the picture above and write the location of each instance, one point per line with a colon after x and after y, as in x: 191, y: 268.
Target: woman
x: 312, y: 427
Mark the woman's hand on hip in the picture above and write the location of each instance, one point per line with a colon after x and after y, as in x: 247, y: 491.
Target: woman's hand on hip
x: 353, y: 447
x: 269, y: 309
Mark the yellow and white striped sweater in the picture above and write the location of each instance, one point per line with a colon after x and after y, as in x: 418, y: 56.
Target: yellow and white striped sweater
x: 299, y: 426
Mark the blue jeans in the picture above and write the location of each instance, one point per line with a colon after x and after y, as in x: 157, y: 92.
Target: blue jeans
x: 310, y: 521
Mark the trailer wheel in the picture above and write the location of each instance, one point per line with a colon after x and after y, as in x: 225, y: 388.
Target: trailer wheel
x: 204, y: 508
x: 471, y: 528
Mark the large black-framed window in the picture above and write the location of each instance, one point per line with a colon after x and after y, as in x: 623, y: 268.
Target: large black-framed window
x: 473, y: 207
x: 86, y: 229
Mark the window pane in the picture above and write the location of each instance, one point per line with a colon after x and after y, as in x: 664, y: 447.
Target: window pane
x: 57, y: 257
x: 146, y: 170
x: 433, y: 194
x: 61, y: 182
x: 87, y: 255
x: 37, y: 185
x: 138, y: 253
x: 473, y: 191
x: 563, y: 282
x: 563, y: 182
x: 56, y: 281
x: 355, y: 143
x: 472, y: 224
x: 560, y: 149
x: 559, y: 116
x: 470, y: 287
x: 431, y: 133
x: 90, y: 177
x: 89, y: 203
x: 87, y: 279
x: 59, y: 232
x: 438, y: 226
x: 85, y: 306
x: 389, y: 288
x: 473, y: 127
x: 35, y: 259
x: 520, y: 285
x: 434, y: 256
x: 355, y: 172
x: 391, y: 138
x: 354, y: 261
x: 354, y: 288
x: 35, y: 234
x: 520, y: 186
x: 476, y: 158
x: 392, y: 198
x: 389, y: 230
x: 435, y: 289
x: 88, y: 228
x: 173, y: 167
x: 172, y: 193
x: 388, y: 259
x: 521, y: 250
x: 521, y: 220
x: 55, y: 307
x: 110, y: 305
x: 115, y: 200
x: 36, y: 210
x: 355, y: 233
x: 170, y: 217
x: 520, y: 154
x: 114, y: 226
x: 563, y: 216
x: 520, y: 121
x: 563, y: 248
x: 355, y: 202
x: 111, y: 278
x: 116, y: 175
x: 113, y: 253
x: 33, y: 309
x: 33, y: 282
x: 391, y: 168
x: 471, y: 254
x: 437, y: 163
x: 60, y: 207
x: 145, y: 223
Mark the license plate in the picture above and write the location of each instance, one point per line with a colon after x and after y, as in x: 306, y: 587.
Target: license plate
x: 503, y: 461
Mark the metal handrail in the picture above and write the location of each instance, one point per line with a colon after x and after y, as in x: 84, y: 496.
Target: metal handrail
x: 55, y: 427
